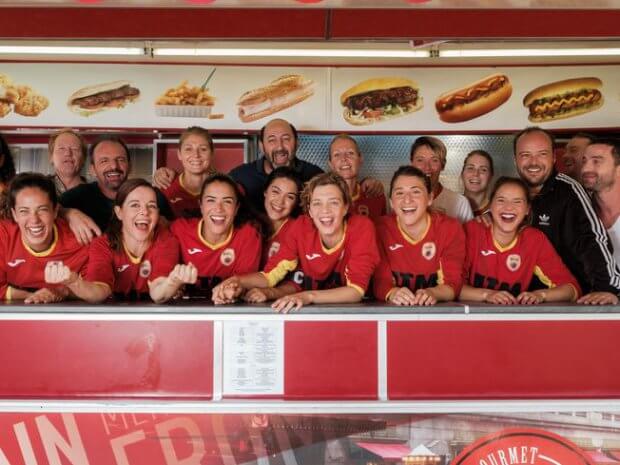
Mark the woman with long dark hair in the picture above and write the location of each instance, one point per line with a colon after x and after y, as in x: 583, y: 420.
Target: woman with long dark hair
x: 136, y: 259
x: 504, y: 258
x: 224, y: 241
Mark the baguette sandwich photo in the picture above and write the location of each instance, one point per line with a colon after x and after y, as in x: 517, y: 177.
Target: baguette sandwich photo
x: 380, y: 99
x: 92, y: 99
x: 279, y: 94
x: 564, y: 99
x: 474, y: 100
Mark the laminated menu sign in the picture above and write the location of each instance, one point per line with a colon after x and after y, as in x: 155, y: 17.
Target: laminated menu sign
x: 253, y: 358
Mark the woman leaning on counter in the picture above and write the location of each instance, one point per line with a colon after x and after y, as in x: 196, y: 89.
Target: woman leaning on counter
x: 332, y: 254
x: 34, y: 240
x: 135, y: 259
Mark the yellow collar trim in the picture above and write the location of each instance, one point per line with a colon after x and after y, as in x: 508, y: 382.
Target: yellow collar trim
x: 279, y: 229
x: 330, y: 251
x: 47, y: 251
x: 182, y: 184
x: 410, y: 239
x: 207, y: 243
x: 132, y: 258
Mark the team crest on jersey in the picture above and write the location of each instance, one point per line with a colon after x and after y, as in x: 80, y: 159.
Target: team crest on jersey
x: 429, y: 249
x: 363, y: 210
x: 275, y: 247
x: 145, y: 269
x: 513, y: 262
x: 227, y: 257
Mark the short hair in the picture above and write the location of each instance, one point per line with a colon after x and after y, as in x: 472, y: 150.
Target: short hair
x: 435, y: 144
x: 408, y: 170
x: 196, y: 131
x: 262, y: 130
x: 613, y: 143
x: 107, y: 138
x: 325, y: 179
x: 484, y: 154
x: 343, y: 136
x: 114, y: 232
x: 34, y: 180
x: 7, y: 170
x: 531, y: 130
x: 52, y: 140
x: 584, y: 135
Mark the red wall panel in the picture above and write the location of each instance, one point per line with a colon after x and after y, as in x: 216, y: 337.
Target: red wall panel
x: 110, y: 359
x: 330, y: 360
x: 497, y: 359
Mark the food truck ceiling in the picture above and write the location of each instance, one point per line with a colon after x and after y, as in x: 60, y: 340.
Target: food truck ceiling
x: 423, y: 34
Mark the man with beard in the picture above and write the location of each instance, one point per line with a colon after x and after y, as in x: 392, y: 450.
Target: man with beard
x: 600, y: 175
x: 573, y: 153
x: 110, y: 164
x: 562, y: 210
x: 278, y: 143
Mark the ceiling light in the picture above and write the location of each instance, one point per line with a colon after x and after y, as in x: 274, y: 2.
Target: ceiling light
x: 528, y: 52
x: 269, y: 52
x: 52, y: 50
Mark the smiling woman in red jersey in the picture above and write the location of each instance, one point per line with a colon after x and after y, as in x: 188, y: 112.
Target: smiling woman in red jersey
x: 505, y: 257
x: 34, y: 240
x: 476, y: 175
x: 196, y: 156
x: 422, y: 253
x: 331, y: 254
x: 223, y: 242
x: 135, y: 260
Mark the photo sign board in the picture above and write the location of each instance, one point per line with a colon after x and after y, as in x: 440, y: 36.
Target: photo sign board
x: 313, y: 98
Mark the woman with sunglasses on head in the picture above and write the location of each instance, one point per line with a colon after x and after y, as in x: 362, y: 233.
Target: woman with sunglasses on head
x: 34, y: 241
x: 506, y: 257
x: 422, y: 252
x: 476, y: 175
x: 136, y: 259
x: 332, y: 254
x: 224, y: 242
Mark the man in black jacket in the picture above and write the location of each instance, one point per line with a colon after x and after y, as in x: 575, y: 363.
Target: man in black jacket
x: 563, y: 211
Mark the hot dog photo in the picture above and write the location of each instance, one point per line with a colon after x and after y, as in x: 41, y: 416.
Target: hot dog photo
x: 474, y: 100
x: 564, y: 99
x: 380, y: 99
x: 279, y: 94
x: 93, y: 99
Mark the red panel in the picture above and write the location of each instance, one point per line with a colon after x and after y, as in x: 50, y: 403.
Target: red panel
x: 47, y: 359
x: 462, y: 24
x: 162, y: 23
x: 330, y: 360
x: 516, y: 359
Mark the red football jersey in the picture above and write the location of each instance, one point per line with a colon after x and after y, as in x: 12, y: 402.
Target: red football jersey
x: 436, y: 258
x: 239, y: 253
x: 272, y: 245
x: 349, y: 263
x: 512, y: 268
x: 127, y: 275
x: 373, y: 207
x: 23, y: 268
x: 184, y: 204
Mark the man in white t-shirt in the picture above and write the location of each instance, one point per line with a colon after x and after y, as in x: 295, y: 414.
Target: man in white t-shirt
x: 428, y: 154
x: 600, y: 175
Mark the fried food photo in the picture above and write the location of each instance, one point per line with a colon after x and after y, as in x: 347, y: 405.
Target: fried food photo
x: 185, y: 100
x: 21, y: 99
